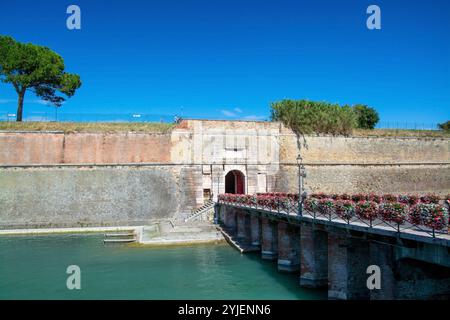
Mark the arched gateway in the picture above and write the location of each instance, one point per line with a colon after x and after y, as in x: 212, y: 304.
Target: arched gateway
x: 235, y: 182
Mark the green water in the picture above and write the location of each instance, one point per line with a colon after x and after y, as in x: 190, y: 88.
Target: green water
x: 34, y: 267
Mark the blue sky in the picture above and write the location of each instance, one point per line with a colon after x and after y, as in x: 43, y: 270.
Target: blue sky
x: 229, y: 59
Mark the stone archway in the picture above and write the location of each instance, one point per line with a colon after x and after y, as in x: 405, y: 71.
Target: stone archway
x: 235, y: 182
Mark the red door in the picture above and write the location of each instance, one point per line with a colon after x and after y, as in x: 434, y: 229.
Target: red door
x: 239, y: 182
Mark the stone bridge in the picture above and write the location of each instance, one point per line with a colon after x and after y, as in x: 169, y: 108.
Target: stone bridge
x: 335, y: 254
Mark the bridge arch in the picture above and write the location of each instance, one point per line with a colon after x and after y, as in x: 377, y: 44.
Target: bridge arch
x: 418, y: 279
x: 235, y: 182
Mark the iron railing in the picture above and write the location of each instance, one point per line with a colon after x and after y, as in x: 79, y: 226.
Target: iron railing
x: 290, y: 207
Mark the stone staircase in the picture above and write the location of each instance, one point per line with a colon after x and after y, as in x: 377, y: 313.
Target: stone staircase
x: 122, y: 237
x: 242, y: 245
x: 202, y: 212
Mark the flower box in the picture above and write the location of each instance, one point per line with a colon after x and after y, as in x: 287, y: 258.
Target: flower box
x: 393, y: 212
x: 431, y: 215
x: 345, y: 209
x: 367, y: 210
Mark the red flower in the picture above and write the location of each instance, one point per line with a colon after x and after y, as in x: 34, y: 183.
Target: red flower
x: 429, y: 198
x: 389, y: 197
x: 359, y: 197
x: 346, y: 196
x: 394, y: 212
x: 326, y: 206
x: 374, y: 197
x: 429, y: 214
x: 345, y: 209
x: 367, y: 210
x: 311, y: 204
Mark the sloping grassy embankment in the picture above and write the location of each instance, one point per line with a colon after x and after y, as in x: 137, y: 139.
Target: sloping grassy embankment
x: 70, y: 127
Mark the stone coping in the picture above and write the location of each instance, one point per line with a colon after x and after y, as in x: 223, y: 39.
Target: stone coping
x: 65, y: 230
x: 155, y: 164
x: 206, y: 238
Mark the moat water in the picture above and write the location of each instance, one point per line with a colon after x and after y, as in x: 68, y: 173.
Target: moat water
x: 34, y: 267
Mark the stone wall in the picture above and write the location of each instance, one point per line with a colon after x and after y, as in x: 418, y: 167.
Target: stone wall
x: 45, y: 178
x: 354, y: 150
x: 368, y: 178
x: 223, y: 146
x: 83, y: 148
x: 215, y: 142
x: 91, y: 196
x: 366, y: 164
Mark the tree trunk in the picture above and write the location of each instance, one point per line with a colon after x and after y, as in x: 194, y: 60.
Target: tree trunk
x: 20, y: 105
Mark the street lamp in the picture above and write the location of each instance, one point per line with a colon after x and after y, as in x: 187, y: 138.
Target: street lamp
x: 301, y: 176
x: 218, y: 182
x: 216, y: 212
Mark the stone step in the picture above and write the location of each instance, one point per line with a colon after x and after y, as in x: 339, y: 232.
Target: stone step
x: 119, y: 240
x: 113, y: 235
x: 206, y: 207
x: 241, y: 245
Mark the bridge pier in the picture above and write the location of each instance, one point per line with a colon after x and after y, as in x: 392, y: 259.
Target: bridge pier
x: 314, y: 256
x: 269, y: 235
x: 229, y: 218
x: 339, y: 255
x: 288, y: 247
x: 243, y: 226
x: 382, y: 255
x: 255, y: 223
x: 347, y: 264
x: 422, y: 271
x: 218, y: 215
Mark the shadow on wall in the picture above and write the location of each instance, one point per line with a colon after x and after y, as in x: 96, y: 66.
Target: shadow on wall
x: 73, y: 197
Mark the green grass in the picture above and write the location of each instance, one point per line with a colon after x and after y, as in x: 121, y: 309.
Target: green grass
x: 401, y: 133
x: 155, y: 127
x: 70, y: 127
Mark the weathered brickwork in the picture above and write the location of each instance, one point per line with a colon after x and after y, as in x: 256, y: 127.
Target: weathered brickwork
x: 368, y: 178
x: 243, y: 225
x: 353, y: 264
x: 313, y: 256
x: 83, y: 148
x: 255, y: 231
x: 219, y: 147
x: 269, y: 235
x: 86, y: 196
x: 328, y: 149
x: 200, y: 153
x: 288, y: 247
x: 382, y: 255
x: 29, y: 148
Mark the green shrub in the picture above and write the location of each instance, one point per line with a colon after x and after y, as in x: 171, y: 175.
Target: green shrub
x: 303, y: 116
x: 445, y: 126
x: 366, y: 117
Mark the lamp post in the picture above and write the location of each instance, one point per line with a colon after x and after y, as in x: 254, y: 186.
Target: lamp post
x: 301, y: 176
x: 218, y: 183
x: 216, y: 213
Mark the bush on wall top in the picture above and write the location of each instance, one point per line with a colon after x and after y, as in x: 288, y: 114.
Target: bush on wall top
x: 304, y: 117
x: 366, y: 117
